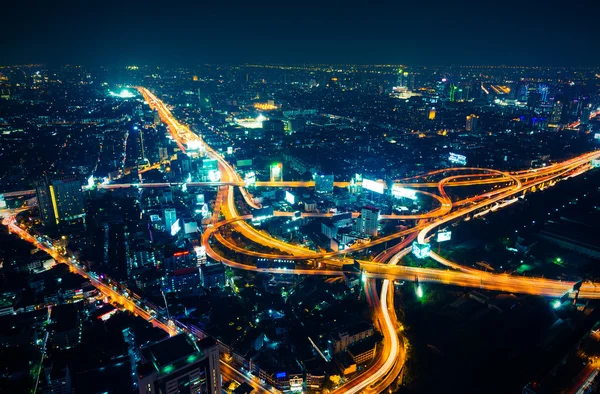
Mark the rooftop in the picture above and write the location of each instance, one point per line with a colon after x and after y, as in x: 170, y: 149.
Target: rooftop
x: 171, y: 350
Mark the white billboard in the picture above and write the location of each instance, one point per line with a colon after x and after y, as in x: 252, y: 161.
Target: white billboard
x: 597, y: 136
x: 403, y: 192
x: 289, y: 197
x: 421, y: 250
x: 175, y: 227
x: 458, y: 159
x: 443, y: 236
x: 214, y: 175
x: 373, y: 186
x: 200, y: 251
x: 250, y: 179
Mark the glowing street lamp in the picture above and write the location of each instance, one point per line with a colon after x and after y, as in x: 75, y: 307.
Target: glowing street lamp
x: 419, y: 292
x: 556, y: 304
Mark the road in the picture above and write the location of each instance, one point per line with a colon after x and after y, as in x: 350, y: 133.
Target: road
x: 122, y: 299
x: 383, y: 372
x: 516, y: 183
x: 105, y: 289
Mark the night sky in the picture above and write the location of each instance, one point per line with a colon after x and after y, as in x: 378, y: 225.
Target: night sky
x: 193, y: 32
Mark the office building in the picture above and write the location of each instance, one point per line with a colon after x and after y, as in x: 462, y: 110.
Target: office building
x: 586, y: 113
x: 60, y: 200
x: 472, y: 121
x: 353, y: 334
x: 185, y: 281
x: 170, y: 217
x: 180, y: 365
x: 431, y: 115
x: 163, y: 153
x: 543, y: 90
x: 364, y: 351
x: 400, y: 82
x: 276, y: 172
x: 273, y: 129
x: 212, y: 275
x: 369, y: 220
x: 557, y: 110
x: 324, y: 183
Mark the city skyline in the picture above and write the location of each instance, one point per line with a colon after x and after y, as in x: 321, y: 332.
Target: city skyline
x: 299, y: 198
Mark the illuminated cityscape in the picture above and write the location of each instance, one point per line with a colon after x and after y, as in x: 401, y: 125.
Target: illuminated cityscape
x: 306, y: 213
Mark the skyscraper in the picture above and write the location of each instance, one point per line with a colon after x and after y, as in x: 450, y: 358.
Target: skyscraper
x: 431, y: 115
x: 45, y: 202
x: 180, y: 365
x: 324, y: 183
x: 471, y: 124
x: 369, y: 220
x: 543, y: 90
x: 276, y: 172
x: 170, y: 216
x: 400, y: 82
x: 586, y: 112
x: 557, y: 112
x: 60, y: 200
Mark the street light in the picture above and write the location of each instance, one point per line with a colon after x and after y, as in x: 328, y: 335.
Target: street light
x: 556, y: 304
x: 419, y: 292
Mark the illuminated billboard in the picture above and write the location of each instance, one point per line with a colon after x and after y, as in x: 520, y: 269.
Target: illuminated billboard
x: 421, y: 250
x: 175, y: 227
x: 229, y: 150
x: 250, y: 179
x: 200, y: 251
x: 90, y: 181
x: 124, y: 93
x: 244, y: 163
x: 289, y: 197
x: 276, y: 170
x: 402, y: 192
x: 596, y: 163
x: 195, y: 145
x: 457, y: 159
x: 443, y: 236
x: 214, y: 175
x: 597, y: 136
x: 373, y: 186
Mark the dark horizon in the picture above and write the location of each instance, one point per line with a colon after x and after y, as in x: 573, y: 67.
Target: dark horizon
x: 436, y: 33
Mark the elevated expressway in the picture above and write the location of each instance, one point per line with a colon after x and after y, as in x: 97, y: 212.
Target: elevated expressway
x: 512, y: 186
x: 506, y: 187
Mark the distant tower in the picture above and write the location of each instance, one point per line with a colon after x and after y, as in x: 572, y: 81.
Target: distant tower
x: 586, y: 113
x: 452, y: 92
x: 431, y: 115
x: 369, y: 220
x: 60, y: 200
x: 170, y: 216
x: 557, y: 112
x: 142, y: 156
x: 471, y: 124
x: 543, y: 90
x: 401, y: 80
x: 42, y: 192
x: 276, y: 172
